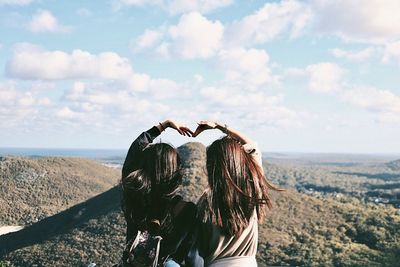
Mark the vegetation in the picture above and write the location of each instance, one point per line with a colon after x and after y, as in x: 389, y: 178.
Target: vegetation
x: 6, y: 264
x: 307, y: 231
x: 364, y: 181
x: 194, y: 164
x: 35, y: 188
x: 318, y: 227
x: 394, y: 165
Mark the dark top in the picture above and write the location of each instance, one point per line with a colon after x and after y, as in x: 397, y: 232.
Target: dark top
x: 178, y: 239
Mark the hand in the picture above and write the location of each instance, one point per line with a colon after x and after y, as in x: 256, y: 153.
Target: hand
x: 183, y: 130
x: 204, y: 125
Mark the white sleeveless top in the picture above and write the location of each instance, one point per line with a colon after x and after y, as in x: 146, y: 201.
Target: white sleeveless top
x: 226, y: 247
x: 231, y: 250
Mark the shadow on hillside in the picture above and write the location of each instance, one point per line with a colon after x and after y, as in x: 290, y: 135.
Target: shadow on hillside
x: 320, y: 188
x: 384, y: 186
x: 382, y: 176
x: 62, y: 222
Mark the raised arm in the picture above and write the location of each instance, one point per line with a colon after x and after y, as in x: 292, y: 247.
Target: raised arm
x: 132, y: 160
x: 249, y: 145
x: 206, y: 125
x: 243, y: 139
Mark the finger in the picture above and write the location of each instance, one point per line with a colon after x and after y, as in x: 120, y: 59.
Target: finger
x: 188, y: 132
x: 183, y: 131
x: 198, y: 128
x: 197, y: 132
x: 187, y: 129
x: 180, y: 131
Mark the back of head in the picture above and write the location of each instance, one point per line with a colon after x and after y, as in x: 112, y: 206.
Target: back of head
x: 237, y: 184
x: 148, y: 191
x: 160, y: 163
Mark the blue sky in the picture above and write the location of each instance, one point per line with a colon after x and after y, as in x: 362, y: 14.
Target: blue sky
x: 296, y: 76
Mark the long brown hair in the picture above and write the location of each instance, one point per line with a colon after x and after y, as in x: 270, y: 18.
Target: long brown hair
x: 149, y: 190
x: 237, y: 187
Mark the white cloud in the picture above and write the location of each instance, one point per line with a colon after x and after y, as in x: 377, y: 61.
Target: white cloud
x: 175, y: 7
x: 32, y: 62
x: 135, y: 2
x: 147, y: 40
x: 247, y: 69
x: 235, y: 98
x: 89, y: 101
x: 325, y: 77
x: 203, y: 6
x: 165, y: 88
x: 67, y: 113
x: 15, y: 2
x: 163, y: 50
x: 240, y: 96
x: 372, y: 21
x: 10, y: 96
x: 44, y: 21
x: 295, y: 72
x: 392, y: 52
x: 198, y: 78
x: 84, y: 12
x: 195, y: 36
x: 268, y: 22
x: 45, y: 101
x: 384, y: 103
x: 355, y: 56
x: 373, y: 99
x: 17, y: 104
x: 254, y: 109
x: 118, y: 4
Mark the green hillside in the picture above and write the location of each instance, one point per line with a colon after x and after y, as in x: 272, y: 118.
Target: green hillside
x: 35, y: 188
x: 301, y: 230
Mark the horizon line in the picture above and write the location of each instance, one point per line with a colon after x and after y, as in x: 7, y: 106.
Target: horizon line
x: 264, y: 152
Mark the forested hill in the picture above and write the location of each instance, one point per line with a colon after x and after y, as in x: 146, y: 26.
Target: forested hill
x: 35, y: 188
x: 301, y: 230
x: 394, y: 165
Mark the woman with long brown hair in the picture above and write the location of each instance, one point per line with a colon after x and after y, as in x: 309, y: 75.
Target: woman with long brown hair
x: 235, y: 201
x: 151, y: 179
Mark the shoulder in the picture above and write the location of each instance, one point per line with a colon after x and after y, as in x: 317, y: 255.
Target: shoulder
x: 252, y: 149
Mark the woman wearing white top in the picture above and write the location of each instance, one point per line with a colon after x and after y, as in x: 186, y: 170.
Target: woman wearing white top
x: 234, y: 202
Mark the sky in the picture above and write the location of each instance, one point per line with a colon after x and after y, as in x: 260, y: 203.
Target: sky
x: 295, y: 76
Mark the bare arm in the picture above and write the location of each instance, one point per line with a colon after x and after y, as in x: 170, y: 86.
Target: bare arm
x: 242, y: 138
x: 206, y: 125
x: 183, y: 130
x: 132, y: 158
